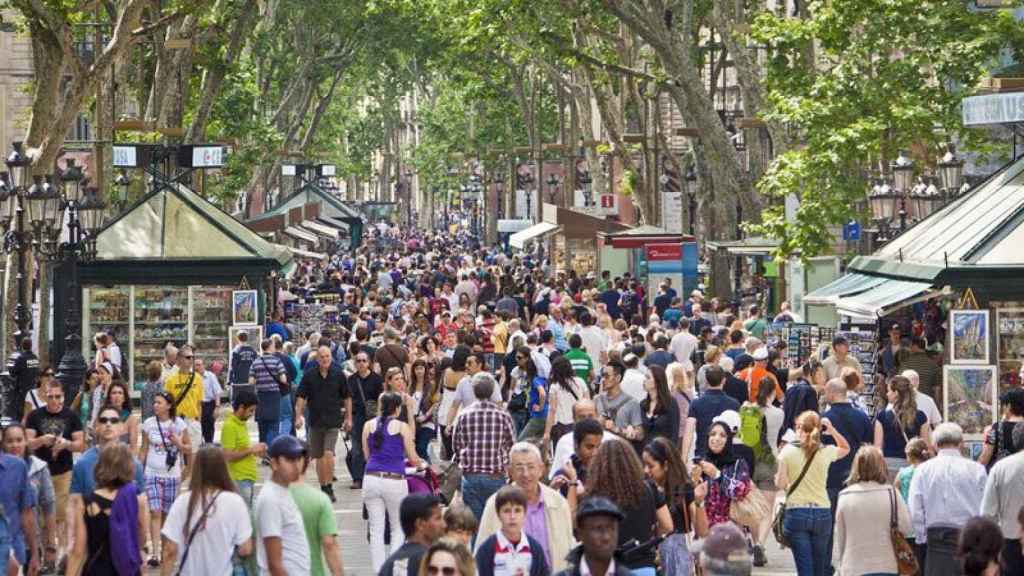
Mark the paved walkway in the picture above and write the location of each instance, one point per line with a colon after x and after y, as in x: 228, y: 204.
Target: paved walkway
x: 352, y: 527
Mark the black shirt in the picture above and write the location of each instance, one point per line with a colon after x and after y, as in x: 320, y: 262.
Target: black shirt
x: 405, y: 561
x: 640, y: 524
x: 736, y: 388
x: 324, y: 396
x: 372, y: 387
x: 242, y: 358
x: 24, y: 368
x: 62, y: 425
x: 711, y: 403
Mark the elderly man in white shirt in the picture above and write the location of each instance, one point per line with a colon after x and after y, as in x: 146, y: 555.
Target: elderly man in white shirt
x: 945, y: 492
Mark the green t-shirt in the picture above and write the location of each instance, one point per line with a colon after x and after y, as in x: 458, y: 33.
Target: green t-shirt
x: 581, y: 363
x: 317, y: 517
x: 234, y: 436
x: 756, y: 327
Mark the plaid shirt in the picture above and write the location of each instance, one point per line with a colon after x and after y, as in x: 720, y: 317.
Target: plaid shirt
x: 482, y: 438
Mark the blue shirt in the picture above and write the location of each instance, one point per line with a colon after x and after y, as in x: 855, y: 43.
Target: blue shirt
x: 83, y: 479
x: 672, y: 316
x: 15, y: 497
x: 856, y: 428
x: 535, y: 386
x: 711, y: 403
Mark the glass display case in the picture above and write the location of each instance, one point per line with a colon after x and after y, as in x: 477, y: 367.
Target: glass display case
x: 161, y: 315
x: 210, y: 318
x: 109, y: 310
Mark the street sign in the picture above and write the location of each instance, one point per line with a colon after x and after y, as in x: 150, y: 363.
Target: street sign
x: 125, y: 157
x: 851, y: 231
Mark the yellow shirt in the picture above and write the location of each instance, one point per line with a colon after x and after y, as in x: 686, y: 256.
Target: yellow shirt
x: 500, y: 337
x: 811, y: 491
x: 175, y: 385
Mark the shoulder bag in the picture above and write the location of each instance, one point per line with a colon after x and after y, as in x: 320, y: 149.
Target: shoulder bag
x: 906, y: 559
x: 188, y: 388
x: 750, y: 510
x: 195, y: 530
x: 780, y: 512
x: 369, y: 406
x: 281, y: 388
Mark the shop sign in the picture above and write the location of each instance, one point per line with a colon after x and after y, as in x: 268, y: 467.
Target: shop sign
x: 984, y: 109
x: 599, y: 205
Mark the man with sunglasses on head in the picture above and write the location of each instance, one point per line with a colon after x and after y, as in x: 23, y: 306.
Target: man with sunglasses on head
x: 364, y: 387
x: 54, y: 432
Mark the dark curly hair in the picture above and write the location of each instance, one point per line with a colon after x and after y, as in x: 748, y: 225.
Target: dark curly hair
x: 617, y: 474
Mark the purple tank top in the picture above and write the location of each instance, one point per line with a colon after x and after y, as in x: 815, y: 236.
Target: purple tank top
x: 389, y: 456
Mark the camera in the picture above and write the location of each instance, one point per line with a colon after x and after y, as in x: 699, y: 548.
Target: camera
x: 172, y: 459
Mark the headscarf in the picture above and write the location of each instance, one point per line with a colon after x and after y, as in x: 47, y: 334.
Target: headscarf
x: 726, y: 457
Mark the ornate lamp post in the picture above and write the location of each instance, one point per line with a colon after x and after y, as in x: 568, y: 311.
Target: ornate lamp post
x: 691, y: 192
x: 951, y: 171
x: 553, y: 183
x: 17, y: 239
x: 903, y: 174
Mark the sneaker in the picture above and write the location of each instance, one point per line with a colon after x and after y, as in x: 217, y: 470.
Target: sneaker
x: 153, y: 562
x: 760, y: 559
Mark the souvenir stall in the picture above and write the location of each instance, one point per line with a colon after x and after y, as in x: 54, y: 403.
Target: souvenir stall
x: 175, y: 268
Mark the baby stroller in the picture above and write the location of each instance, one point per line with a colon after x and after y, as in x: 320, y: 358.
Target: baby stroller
x: 424, y: 481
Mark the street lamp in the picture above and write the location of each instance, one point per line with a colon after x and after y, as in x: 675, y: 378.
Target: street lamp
x: 691, y: 192
x: 122, y: 181
x: 499, y: 189
x: 903, y: 174
x: 553, y: 183
x: 16, y: 239
x: 951, y: 171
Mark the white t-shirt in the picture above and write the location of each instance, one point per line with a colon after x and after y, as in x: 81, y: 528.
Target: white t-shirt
x: 633, y: 384
x: 278, y: 516
x: 32, y: 399
x: 595, y: 341
x: 464, y: 393
x: 566, y: 447
x: 682, y: 347
x: 563, y: 413
x: 156, y: 456
x: 227, y: 526
x: 773, y: 416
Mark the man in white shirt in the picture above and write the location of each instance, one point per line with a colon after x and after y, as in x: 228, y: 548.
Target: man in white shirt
x: 945, y: 492
x: 566, y: 446
x: 283, y: 549
x: 683, y: 345
x: 211, y: 399
x: 633, y: 380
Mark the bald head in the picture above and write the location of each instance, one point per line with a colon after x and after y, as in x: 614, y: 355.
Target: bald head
x: 583, y: 409
x: 912, y: 375
x: 835, y: 391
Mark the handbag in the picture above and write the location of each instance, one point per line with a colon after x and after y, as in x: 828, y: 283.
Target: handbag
x: 780, y: 512
x: 751, y: 509
x: 171, y: 456
x: 200, y: 524
x: 906, y: 559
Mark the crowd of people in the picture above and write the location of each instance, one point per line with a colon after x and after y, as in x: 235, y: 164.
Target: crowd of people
x: 502, y: 418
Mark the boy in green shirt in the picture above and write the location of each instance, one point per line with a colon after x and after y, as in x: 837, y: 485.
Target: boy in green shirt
x: 321, y: 528
x: 234, y: 439
x: 582, y: 365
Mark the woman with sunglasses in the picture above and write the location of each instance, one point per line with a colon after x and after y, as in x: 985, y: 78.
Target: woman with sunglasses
x: 15, y: 443
x: 118, y: 399
x: 36, y: 397
x: 164, y: 440
x: 447, y: 557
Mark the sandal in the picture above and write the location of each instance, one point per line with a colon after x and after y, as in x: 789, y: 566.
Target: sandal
x: 153, y: 562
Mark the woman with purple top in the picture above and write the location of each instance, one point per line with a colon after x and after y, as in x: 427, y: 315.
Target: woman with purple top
x: 389, y: 442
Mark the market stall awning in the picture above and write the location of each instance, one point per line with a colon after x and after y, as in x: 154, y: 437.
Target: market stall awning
x: 300, y: 234
x: 307, y: 254
x: 884, y: 298
x: 847, y: 285
x: 319, y: 229
x: 519, y: 239
x: 640, y: 236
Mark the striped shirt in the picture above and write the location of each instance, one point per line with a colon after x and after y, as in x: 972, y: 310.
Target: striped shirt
x: 267, y: 370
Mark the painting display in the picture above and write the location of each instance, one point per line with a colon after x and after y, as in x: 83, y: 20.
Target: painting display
x: 970, y: 397
x: 969, y: 337
x: 244, y: 308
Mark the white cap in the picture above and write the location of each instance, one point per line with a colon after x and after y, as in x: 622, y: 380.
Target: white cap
x: 730, y: 418
x: 761, y: 353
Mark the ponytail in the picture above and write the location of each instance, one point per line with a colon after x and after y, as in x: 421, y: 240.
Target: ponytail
x: 810, y: 423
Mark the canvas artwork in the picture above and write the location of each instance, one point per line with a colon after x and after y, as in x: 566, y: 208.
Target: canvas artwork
x: 255, y: 335
x: 970, y: 397
x: 244, y: 307
x: 969, y: 337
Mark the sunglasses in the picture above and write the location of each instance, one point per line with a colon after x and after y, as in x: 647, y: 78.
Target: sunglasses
x: 362, y: 359
x: 54, y: 396
x: 111, y: 420
x: 188, y: 357
x: 446, y: 570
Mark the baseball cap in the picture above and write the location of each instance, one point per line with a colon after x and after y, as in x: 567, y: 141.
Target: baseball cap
x: 730, y: 418
x: 598, y: 506
x: 287, y: 446
x: 724, y: 551
x: 761, y: 353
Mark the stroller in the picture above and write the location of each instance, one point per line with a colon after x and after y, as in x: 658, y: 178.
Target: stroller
x: 424, y: 482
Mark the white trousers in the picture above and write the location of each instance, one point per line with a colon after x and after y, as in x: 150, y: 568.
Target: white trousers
x: 383, y: 495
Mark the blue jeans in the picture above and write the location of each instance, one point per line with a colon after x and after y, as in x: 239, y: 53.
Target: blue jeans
x: 286, y: 415
x: 245, y: 490
x: 645, y: 571
x: 358, y: 466
x: 808, y: 531
x: 268, y: 430
x: 476, y: 489
x: 423, y: 438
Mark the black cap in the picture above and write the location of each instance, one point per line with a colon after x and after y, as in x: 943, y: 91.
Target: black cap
x: 598, y: 506
x: 287, y: 446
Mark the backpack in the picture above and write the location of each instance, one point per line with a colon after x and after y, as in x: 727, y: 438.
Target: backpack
x: 753, y: 431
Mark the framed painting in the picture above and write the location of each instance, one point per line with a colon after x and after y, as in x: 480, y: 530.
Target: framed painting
x: 970, y: 398
x: 255, y: 336
x: 244, y: 307
x: 969, y: 336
